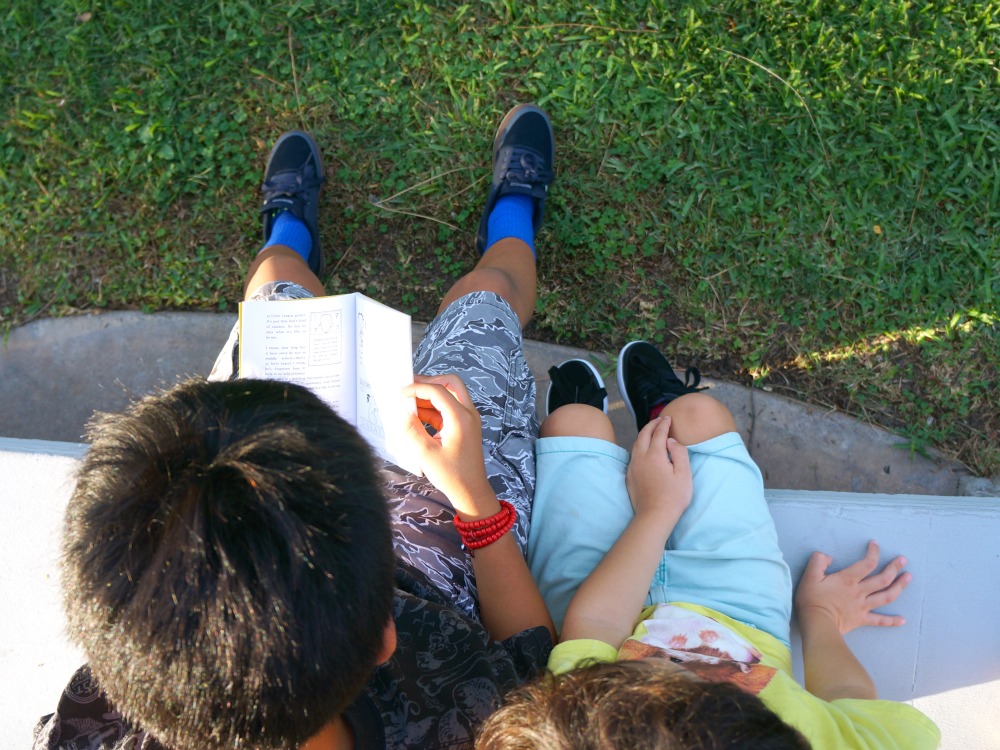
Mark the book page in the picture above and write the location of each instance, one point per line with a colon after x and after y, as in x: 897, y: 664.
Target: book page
x: 309, y: 342
x: 385, y: 365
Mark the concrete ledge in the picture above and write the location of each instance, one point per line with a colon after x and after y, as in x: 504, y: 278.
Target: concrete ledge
x: 56, y: 373
x: 945, y: 660
x: 35, y: 656
x: 796, y: 446
x: 12, y: 447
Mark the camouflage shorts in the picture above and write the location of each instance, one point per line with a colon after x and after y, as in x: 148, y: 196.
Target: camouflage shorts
x: 479, y: 337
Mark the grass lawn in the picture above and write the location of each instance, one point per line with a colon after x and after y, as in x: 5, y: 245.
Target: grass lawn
x: 800, y: 195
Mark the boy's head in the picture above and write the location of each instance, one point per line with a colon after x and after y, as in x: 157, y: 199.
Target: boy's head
x: 228, y: 564
x: 636, y: 705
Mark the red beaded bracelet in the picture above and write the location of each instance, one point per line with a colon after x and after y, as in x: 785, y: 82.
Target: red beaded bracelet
x: 497, y: 519
x: 485, y: 524
x: 485, y: 531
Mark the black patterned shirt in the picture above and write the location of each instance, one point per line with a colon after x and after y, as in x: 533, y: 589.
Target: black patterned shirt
x: 445, y: 677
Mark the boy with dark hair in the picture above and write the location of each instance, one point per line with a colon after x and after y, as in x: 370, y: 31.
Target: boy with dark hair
x: 211, y: 529
x: 241, y: 574
x: 668, y: 560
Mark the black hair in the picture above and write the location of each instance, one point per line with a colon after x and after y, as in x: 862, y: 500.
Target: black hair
x: 228, y: 564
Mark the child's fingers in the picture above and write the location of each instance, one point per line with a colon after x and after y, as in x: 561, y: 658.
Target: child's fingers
x: 418, y: 436
x: 887, y: 575
x: 871, y: 554
x: 642, y: 440
x: 661, y: 431
x: 456, y: 386
x: 884, y: 621
x: 890, y: 593
x: 452, y: 383
x: 425, y: 410
x: 863, y: 567
x: 817, y: 566
x: 440, y: 398
x: 679, y: 456
x: 647, y: 437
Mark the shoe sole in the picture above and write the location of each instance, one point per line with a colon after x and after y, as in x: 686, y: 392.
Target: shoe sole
x: 621, y: 378
x: 597, y: 376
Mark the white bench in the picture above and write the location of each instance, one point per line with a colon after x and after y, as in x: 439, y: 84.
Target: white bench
x: 945, y: 660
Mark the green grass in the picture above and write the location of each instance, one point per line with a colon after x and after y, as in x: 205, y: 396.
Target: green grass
x: 800, y: 195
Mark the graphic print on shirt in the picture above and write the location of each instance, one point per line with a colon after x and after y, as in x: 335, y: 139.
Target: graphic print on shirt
x: 701, y: 645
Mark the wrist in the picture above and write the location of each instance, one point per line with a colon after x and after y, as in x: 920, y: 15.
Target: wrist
x: 816, y: 616
x: 478, y: 533
x: 476, y: 504
x: 659, y: 512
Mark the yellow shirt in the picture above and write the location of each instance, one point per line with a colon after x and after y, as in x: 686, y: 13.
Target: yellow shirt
x: 720, y: 649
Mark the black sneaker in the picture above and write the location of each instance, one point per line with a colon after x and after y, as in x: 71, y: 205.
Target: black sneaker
x: 292, y: 179
x: 575, y: 381
x: 646, y: 380
x: 523, y: 154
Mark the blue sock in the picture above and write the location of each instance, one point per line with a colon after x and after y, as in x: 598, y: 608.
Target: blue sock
x: 289, y: 230
x: 511, y: 217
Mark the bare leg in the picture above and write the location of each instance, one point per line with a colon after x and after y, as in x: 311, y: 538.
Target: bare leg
x: 698, y: 417
x: 507, y: 268
x: 280, y: 263
x: 579, y: 420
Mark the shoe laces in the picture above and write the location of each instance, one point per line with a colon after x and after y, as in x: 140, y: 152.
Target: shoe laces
x: 656, y: 387
x: 572, y: 393
x: 291, y: 183
x: 527, y: 165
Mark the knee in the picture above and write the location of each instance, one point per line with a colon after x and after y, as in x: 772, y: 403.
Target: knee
x: 490, y: 280
x: 578, y: 420
x: 698, y: 417
x: 481, y: 280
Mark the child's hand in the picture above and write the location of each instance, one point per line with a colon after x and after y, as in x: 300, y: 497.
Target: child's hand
x: 452, y: 459
x: 659, y: 474
x: 848, y: 596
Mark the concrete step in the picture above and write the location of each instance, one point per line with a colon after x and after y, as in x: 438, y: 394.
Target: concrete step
x: 55, y: 373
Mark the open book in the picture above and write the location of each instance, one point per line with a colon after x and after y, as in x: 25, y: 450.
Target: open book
x: 351, y: 351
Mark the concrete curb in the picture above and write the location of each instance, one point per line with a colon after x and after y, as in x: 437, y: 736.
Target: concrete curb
x: 55, y: 373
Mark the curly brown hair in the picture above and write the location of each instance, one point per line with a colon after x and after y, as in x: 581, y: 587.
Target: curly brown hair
x: 634, y: 705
